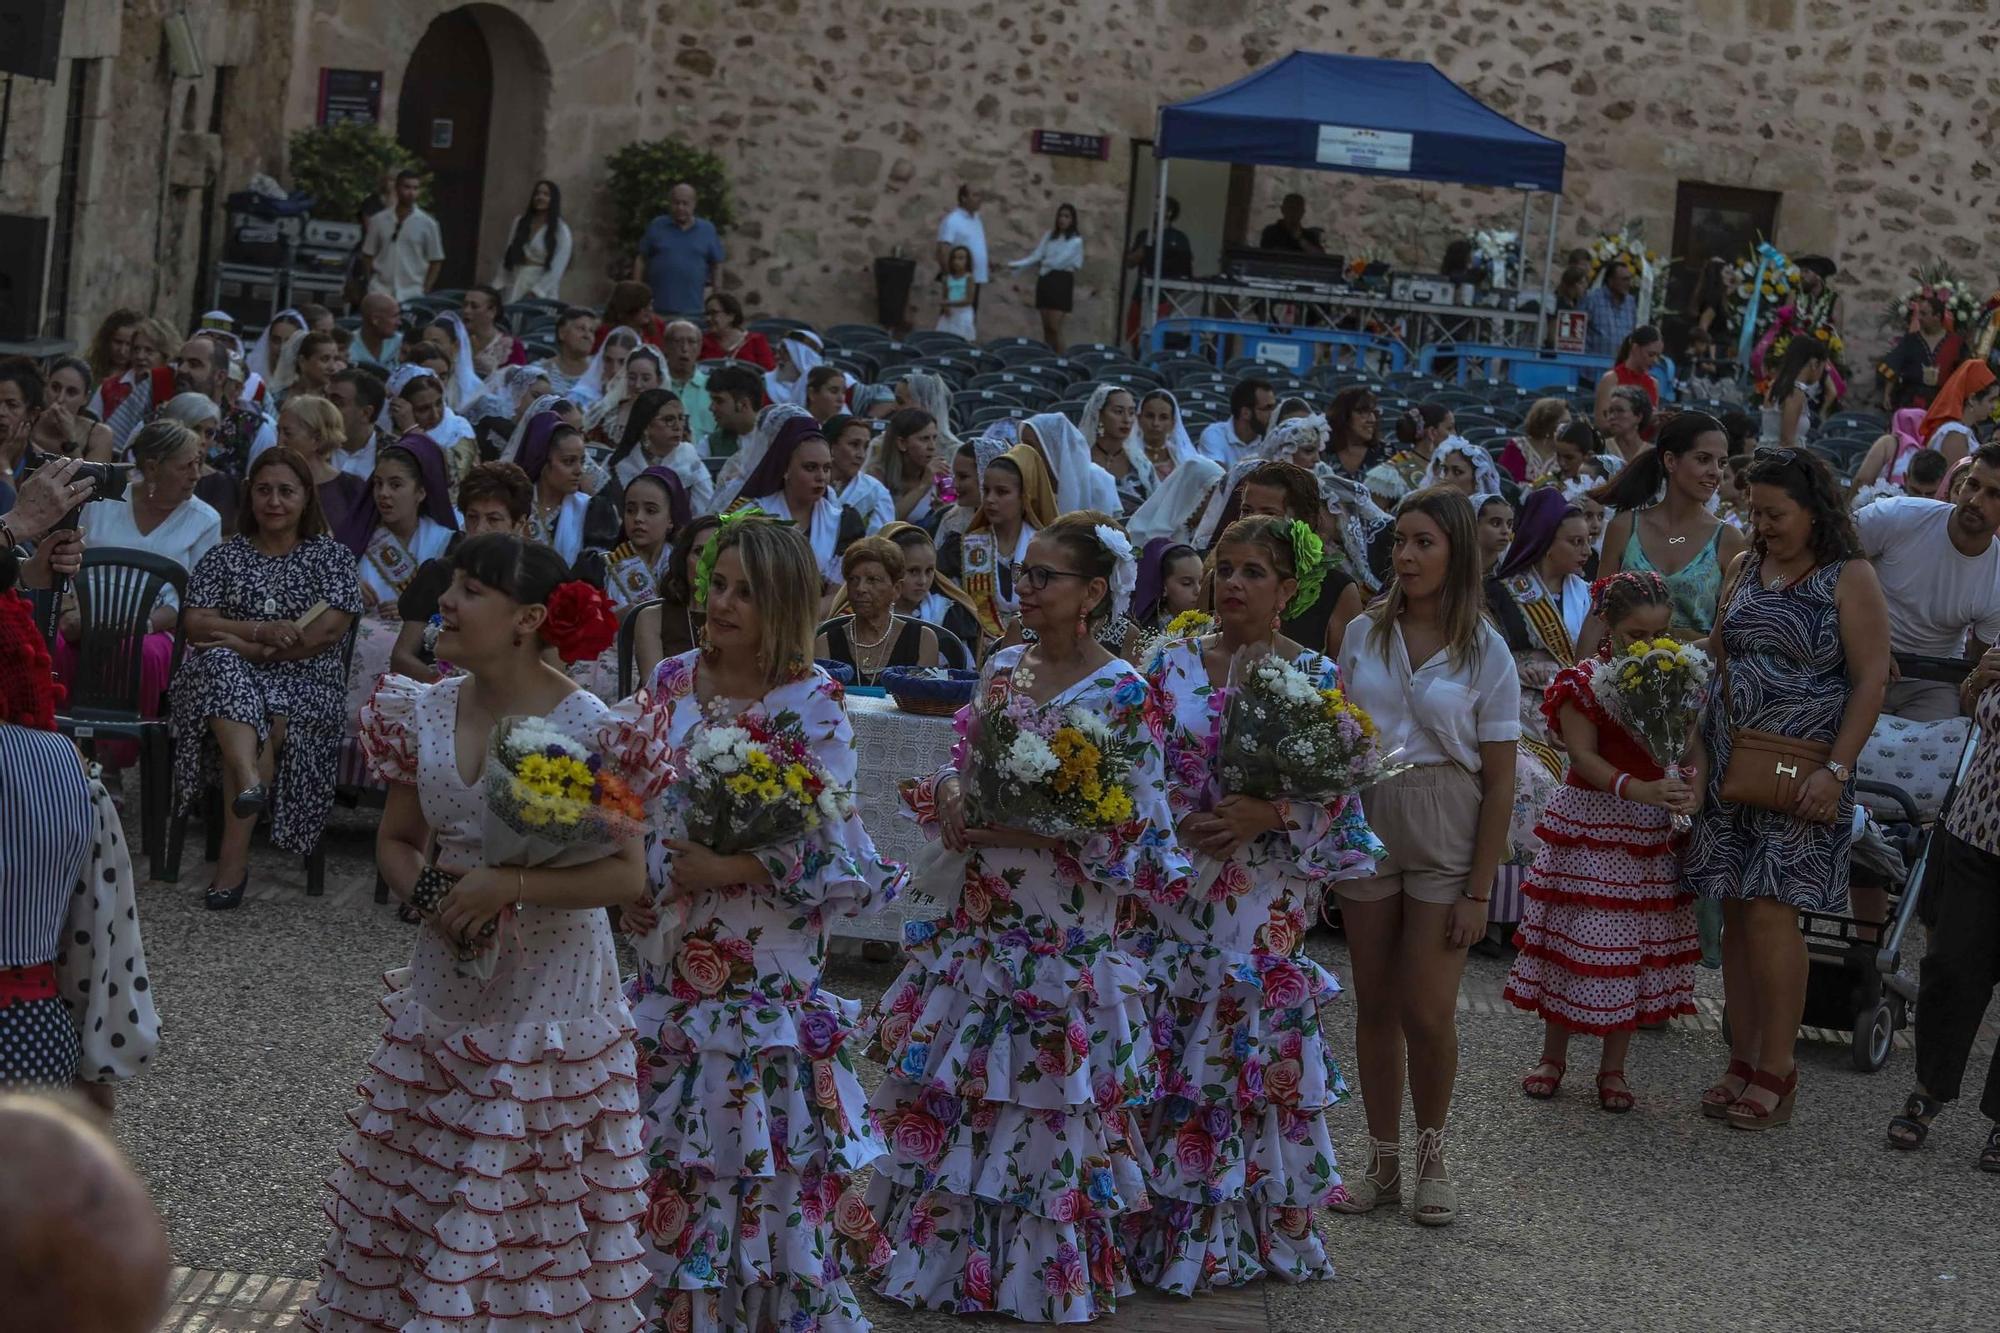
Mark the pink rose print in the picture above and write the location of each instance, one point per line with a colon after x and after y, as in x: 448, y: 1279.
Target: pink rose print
x: 1232, y: 882
x: 921, y: 1229
x: 978, y: 1280
x: 1280, y: 935
x: 1294, y: 1221
x: 667, y: 1212
x: 975, y: 904
x: 851, y: 1217
x: 1079, y: 1038
x: 680, y: 1317
x: 983, y: 1117
x: 1291, y: 1046
x: 1281, y: 1082
x: 894, y: 1034
x: 906, y: 1001
x: 825, y: 1091
x: 702, y: 965
x: 1194, y: 1150
x: 919, y: 1138
x: 1284, y: 987
x: 1063, y: 1273
x: 1072, y: 1205
x: 1105, y: 1091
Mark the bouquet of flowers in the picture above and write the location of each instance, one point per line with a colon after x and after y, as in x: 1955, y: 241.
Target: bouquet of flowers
x: 1061, y: 773
x: 1655, y: 689
x: 1773, y: 290
x: 1499, y: 253
x: 1627, y: 247
x: 1283, y: 737
x: 551, y: 801
x: 1936, y: 278
x: 753, y: 784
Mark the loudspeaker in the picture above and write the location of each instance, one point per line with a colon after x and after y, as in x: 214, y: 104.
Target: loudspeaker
x: 30, y: 37
x: 24, y: 250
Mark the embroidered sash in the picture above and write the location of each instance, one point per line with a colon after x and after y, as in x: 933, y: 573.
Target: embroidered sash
x: 1544, y: 617
x: 979, y: 556
x: 391, y: 559
x: 628, y: 578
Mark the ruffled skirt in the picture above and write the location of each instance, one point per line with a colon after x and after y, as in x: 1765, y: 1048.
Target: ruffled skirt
x: 1607, y: 938
x: 1239, y: 1149
x: 1014, y: 1074
x: 493, y: 1181
x: 755, y: 1126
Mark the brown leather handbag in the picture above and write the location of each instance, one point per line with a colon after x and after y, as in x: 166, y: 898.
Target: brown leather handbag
x: 1768, y: 770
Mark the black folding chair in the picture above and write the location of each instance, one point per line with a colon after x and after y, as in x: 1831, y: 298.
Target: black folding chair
x: 627, y: 648
x: 116, y: 592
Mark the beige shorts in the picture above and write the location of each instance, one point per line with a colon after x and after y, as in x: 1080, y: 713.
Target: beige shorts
x: 1428, y: 818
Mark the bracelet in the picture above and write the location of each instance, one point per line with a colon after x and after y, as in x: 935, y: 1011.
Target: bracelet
x: 1618, y: 785
x: 1475, y: 898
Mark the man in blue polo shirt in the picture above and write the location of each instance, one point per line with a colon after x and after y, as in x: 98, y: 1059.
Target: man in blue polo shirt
x: 680, y: 257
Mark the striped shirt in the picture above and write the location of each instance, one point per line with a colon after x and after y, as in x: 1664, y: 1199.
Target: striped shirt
x: 45, y: 827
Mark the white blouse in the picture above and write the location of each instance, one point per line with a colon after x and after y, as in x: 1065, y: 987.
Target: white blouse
x: 1056, y: 254
x: 1440, y: 712
x: 185, y: 536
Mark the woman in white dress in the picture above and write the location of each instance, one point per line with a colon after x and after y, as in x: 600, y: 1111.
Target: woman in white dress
x: 538, y: 247
x: 494, y: 1180
x: 756, y: 1122
x: 414, y: 522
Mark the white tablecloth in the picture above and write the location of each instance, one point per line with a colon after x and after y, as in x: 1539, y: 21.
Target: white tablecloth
x: 894, y: 746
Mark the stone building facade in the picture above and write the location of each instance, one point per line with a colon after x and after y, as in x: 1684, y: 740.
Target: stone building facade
x: 847, y: 124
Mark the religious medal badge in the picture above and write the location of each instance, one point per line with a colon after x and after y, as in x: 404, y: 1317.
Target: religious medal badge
x: 551, y: 801
x: 1057, y: 772
x: 1655, y: 690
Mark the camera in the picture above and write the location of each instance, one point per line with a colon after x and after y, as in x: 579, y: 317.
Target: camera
x: 111, y: 479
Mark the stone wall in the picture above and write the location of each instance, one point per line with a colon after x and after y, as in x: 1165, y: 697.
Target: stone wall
x: 847, y: 124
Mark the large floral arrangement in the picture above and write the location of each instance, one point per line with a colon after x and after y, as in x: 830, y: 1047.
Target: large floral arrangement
x: 1627, y: 247
x: 754, y: 784
x: 1655, y: 690
x: 1935, y: 278
x: 1056, y: 772
x: 1773, y: 287
x: 1283, y: 737
x: 1499, y: 254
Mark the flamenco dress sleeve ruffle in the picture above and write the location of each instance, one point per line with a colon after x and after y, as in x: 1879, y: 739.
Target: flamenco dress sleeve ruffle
x: 756, y: 1122
x: 1239, y: 1152
x: 1018, y: 1053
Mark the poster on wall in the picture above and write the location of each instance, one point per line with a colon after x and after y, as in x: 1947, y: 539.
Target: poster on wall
x: 1571, y: 326
x: 350, y: 95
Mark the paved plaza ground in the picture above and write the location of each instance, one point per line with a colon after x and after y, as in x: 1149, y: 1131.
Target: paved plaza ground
x: 1571, y: 1218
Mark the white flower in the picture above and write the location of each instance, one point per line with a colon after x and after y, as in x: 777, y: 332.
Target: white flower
x: 1030, y: 758
x: 535, y: 735
x: 1125, y: 568
x: 1091, y: 725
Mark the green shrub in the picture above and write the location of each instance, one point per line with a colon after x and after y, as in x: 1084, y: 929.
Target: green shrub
x: 642, y: 174
x: 341, y: 165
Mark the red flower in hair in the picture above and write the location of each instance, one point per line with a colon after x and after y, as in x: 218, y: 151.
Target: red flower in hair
x: 581, y: 623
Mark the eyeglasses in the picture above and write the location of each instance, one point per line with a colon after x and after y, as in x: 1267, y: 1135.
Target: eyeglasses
x: 1036, y: 577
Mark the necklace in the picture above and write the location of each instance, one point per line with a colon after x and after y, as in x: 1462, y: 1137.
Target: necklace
x: 879, y: 640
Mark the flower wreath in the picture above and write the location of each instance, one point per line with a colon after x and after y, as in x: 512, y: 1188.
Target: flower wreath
x: 1125, y: 567
x: 1309, y: 567
x: 581, y: 622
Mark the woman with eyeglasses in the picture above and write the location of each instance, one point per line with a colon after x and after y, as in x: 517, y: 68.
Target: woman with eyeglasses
x: 1353, y: 421
x: 727, y: 339
x: 1018, y: 1040
x: 1801, y: 648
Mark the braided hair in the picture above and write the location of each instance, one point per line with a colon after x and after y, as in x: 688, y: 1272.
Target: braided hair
x: 1618, y: 595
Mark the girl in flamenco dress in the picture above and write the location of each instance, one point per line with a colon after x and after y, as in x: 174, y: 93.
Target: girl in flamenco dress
x: 493, y: 1182
x: 1017, y: 1043
x: 1240, y: 1153
x: 1607, y: 937
x: 756, y: 1121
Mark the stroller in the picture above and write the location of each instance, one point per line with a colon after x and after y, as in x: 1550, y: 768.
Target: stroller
x: 1855, y: 981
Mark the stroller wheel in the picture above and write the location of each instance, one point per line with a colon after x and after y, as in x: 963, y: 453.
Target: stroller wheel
x: 1874, y: 1034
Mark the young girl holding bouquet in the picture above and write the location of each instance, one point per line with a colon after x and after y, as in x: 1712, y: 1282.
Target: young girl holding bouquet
x: 494, y: 1171
x: 755, y: 1118
x: 1017, y: 1040
x: 1607, y: 938
x: 1240, y: 1154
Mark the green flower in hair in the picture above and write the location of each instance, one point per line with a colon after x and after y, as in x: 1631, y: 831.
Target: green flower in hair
x: 704, y: 565
x: 1308, y: 567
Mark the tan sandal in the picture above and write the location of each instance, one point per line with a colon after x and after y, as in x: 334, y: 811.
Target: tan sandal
x: 1437, y: 1196
x: 1375, y: 1188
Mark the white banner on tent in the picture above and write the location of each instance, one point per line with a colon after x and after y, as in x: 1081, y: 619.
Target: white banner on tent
x: 1371, y: 150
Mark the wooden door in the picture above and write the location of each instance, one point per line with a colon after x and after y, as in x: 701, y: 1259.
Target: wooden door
x: 1715, y: 222
x: 441, y: 116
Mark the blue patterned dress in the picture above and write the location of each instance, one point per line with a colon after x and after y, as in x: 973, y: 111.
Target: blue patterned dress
x: 1786, y: 673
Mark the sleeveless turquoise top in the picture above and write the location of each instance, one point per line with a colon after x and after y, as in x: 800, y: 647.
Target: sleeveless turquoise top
x: 1693, y: 588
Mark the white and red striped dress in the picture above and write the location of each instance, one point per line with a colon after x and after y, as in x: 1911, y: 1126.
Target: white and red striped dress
x: 1607, y: 936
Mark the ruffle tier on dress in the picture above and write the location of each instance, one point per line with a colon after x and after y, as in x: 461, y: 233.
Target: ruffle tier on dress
x: 494, y: 1181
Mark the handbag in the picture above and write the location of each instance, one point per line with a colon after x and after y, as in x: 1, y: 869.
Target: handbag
x: 1766, y: 770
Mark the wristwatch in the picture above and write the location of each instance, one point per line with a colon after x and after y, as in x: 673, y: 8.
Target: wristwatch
x: 1839, y: 770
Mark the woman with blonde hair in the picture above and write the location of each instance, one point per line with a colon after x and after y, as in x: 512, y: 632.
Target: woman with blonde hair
x: 737, y: 1032
x: 1439, y: 682
x: 313, y: 426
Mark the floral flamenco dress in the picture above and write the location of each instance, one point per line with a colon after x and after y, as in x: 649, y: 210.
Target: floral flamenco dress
x: 494, y: 1180
x: 1607, y: 938
x: 1018, y: 1053
x: 756, y: 1121
x: 1240, y: 1150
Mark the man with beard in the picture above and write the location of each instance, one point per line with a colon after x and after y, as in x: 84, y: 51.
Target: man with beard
x: 1940, y: 570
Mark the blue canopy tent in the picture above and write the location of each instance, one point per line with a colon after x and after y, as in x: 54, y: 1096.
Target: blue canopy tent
x: 1321, y: 112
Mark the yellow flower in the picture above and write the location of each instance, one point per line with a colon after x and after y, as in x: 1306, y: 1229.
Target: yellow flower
x: 1114, y: 806
x: 740, y: 784
x: 1666, y: 644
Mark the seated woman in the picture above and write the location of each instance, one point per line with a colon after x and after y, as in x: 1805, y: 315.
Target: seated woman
x: 965, y: 484
x: 727, y: 340
x: 1531, y: 455
x: 552, y: 455
x: 606, y: 421
x: 1628, y: 418
x: 872, y: 636
x: 925, y: 594
x: 655, y: 437
x: 1965, y: 401
x: 69, y: 389
x: 656, y: 509
x: 1465, y: 468
x: 792, y: 483
x: 268, y: 611
x: 903, y: 463
x: 671, y: 626
x: 1169, y: 586
x: 414, y: 522
x: 1018, y: 502
x: 494, y: 497
x: 312, y: 427
x: 1798, y: 391
x: 162, y: 515
x: 1495, y: 518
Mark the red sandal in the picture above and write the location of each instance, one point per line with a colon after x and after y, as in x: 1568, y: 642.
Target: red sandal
x: 1539, y: 1085
x: 1746, y: 1114
x: 1615, y: 1100
x: 1715, y: 1102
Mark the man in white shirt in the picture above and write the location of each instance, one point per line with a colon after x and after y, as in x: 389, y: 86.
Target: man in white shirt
x: 1939, y: 566
x: 402, y: 249
x: 962, y: 226
x: 1251, y: 403
x: 359, y: 396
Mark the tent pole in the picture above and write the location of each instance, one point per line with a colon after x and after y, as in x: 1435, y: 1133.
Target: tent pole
x: 1521, y: 239
x: 1159, y: 246
x: 1548, y: 266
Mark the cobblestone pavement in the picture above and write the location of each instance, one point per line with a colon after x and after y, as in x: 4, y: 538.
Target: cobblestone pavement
x: 1571, y: 1218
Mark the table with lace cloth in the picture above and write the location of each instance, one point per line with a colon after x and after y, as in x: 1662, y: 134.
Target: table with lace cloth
x: 893, y: 745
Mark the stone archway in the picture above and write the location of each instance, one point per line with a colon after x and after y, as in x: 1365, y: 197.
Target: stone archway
x: 474, y: 106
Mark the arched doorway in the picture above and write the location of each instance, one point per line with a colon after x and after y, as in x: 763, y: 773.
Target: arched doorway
x: 482, y: 151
